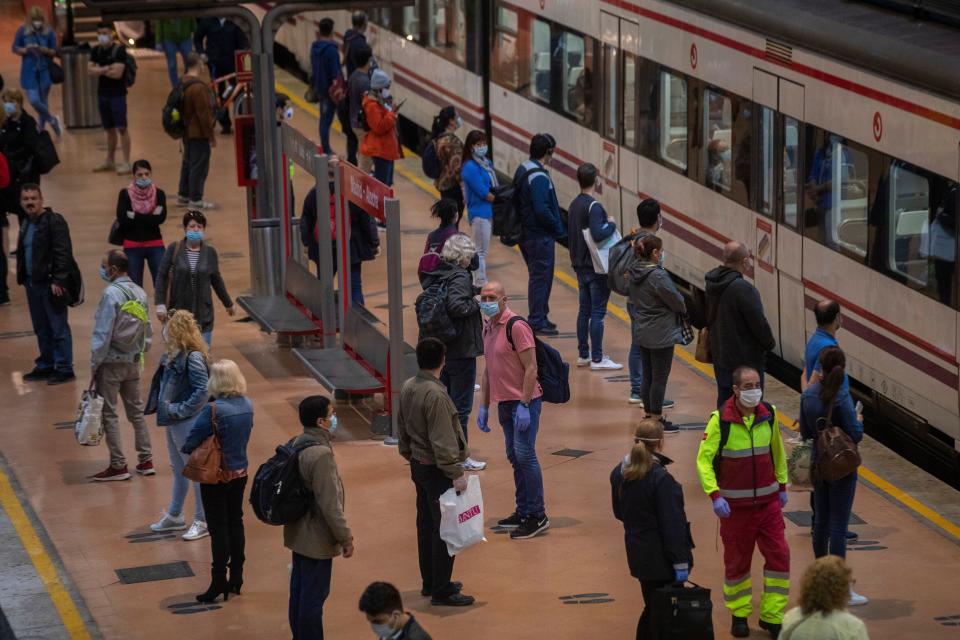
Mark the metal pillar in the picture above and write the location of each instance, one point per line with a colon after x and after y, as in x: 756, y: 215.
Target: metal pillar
x: 395, y: 311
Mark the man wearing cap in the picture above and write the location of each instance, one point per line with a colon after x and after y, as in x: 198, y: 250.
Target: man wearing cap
x: 542, y: 227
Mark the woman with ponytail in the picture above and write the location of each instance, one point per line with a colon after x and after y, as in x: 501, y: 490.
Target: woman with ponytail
x: 447, y: 149
x: 828, y: 400
x: 649, y: 502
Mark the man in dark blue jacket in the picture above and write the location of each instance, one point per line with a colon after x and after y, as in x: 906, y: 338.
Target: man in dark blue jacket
x: 325, y: 69
x: 217, y: 40
x: 542, y: 227
x: 354, y: 40
x: 586, y: 212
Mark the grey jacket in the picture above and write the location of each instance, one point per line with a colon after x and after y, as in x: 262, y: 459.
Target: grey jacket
x: 656, y: 303
x: 103, y: 346
x: 179, y: 288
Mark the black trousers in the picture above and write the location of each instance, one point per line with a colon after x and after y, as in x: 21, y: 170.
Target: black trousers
x: 647, y: 587
x: 194, y: 167
x: 223, y: 506
x: 436, y: 565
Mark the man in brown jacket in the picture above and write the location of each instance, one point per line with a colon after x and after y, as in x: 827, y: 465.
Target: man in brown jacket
x: 321, y: 534
x: 432, y: 441
x: 197, y: 114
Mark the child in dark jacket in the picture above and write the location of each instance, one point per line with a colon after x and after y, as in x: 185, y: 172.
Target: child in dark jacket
x: 649, y: 502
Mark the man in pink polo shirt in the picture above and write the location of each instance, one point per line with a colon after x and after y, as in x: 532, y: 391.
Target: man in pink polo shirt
x: 510, y: 380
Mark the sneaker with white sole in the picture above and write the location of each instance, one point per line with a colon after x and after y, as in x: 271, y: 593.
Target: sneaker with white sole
x: 583, y: 362
x: 201, y: 204
x: 181, y: 201
x: 106, y: 165
x: 605, y: 365
x: 473, y: 465
x: 169, y: 523
x: 123, y: 168
x: 196, y: 531
x: 636, y: 399
x: 856, y: 599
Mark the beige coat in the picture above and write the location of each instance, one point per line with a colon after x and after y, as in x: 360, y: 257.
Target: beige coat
x: 322, y: 532
x: 429, y: 430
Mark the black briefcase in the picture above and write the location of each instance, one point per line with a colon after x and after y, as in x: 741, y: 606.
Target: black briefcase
x: 679, y: 612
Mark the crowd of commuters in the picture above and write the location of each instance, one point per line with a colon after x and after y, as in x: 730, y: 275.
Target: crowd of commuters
x: 741, y: 460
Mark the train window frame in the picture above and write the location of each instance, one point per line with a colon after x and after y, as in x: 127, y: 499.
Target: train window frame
x: 506, y: 36
x: 610, y: 122
x: 798, y: 166
x: 629, y: 88
x: 722, y: 173
x: 665, y: 126
x: 540, y: 92
x: 766, y: 162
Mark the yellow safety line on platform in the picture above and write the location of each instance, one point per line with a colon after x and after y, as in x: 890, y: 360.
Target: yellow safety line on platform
x: 71, y: 618
x: 621, y: 313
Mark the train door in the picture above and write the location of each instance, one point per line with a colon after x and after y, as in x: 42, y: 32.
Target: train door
x: 763, y: 232
x: 620, y: 40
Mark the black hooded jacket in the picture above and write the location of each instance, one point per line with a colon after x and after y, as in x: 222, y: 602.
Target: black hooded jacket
x: 739, y: 332
x: 462, y: 308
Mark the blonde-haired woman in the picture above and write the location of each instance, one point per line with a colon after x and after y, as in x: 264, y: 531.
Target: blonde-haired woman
x: 824, y: 591
x: 231, y: 412
x: 649, y: 502
x: 179, y: 392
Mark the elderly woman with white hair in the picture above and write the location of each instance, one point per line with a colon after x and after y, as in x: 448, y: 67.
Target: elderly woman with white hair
x: 460, y: 372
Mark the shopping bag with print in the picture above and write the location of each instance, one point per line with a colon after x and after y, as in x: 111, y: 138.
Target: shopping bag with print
x: 461, y: 517
x: 88, y: 427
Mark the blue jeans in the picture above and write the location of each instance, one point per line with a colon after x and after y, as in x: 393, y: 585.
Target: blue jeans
x: 594, y: 294
x: 171, y: 49
x: 309, y: 589
x: 522, y: 454
x: 327, y: 112
x: 137, y: 256
x: 356, y: 283
x: 49, y: 318
x: 176, y: 437
x: 38, y: 100
x: 383, y: 171
x: 725, y: 383
x: 633, y: 360
x: 832, y: 502
x: 539, y: 253
x: 459, y: 375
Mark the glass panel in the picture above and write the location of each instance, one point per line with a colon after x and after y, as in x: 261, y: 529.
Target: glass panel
x: 673, y: 119
x: 791, y: 160
x: 610, y: 92
x: 766, y: 161
x: 448, y: 33
x: 506, y: 62
x: 572, y: 53
x: 718, y: 125
x: 629, y: 100
x: 837, y: 188
x: 410, y: 27
x: 912, y: 233
x: 540, y: 61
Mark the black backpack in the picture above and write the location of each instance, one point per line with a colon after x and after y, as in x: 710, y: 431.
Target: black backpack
x: 129, y: 66
x: 552, y: 372
x: 621, y: 257
x: 429, y: 161
x: 507, y: 222
x: 432, y: 316
x: 278, y: 495
x: 172, y: 115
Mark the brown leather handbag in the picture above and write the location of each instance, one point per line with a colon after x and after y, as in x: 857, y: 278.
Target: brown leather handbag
x: 206, y: 461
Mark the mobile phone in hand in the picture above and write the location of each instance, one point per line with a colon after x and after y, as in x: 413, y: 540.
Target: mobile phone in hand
x: 859, y: 408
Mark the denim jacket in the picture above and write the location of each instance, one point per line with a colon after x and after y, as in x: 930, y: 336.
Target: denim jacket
x: 234, y: 423
x: 183, y: 388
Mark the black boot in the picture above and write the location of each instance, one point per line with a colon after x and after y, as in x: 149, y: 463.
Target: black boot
x: 218, y: 585
x: 739, y: 628
x: 772, y: 627
x: 236, y: 579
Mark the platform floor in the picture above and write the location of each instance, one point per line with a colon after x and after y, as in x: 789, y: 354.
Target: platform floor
x: 907, y: 565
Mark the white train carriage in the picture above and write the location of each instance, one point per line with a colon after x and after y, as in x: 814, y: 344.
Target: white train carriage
x: 784, y: 126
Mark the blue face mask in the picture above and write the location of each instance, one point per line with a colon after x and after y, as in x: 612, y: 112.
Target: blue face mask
x: 9, y: 108
x: 490, y: 308
x: 143, y: 183
x: 194, y: 236
x: 480, y: 152
x: 333, y: 423
x: 104, y: 274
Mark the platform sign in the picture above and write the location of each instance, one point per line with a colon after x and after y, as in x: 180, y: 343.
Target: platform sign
x: 365, y: 191
x: 298, y: 147
x: 244, y: 65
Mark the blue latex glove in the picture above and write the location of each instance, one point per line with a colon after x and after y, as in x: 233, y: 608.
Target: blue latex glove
x: 721, y: 508
x: 482, y: 418
x: 783, y: 499
x: 681, y: 575
x: 521, y: 418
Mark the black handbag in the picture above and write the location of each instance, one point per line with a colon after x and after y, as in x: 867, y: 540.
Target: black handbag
x: 45, y: 156
x: 679, y: 612
x: 116, y: 234
x: 56, y: 72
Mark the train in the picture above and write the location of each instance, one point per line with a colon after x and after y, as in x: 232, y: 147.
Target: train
x: 824, y: 135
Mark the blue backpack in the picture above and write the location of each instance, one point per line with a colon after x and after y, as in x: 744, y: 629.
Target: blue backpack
x: 553, y: 373
x: 429, y: 161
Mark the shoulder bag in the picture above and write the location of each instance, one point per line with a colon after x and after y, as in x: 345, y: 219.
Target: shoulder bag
x: 837, y: 454
x: 206, y: 462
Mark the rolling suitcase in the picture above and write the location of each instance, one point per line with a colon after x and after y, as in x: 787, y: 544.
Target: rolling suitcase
x: 679, y: 612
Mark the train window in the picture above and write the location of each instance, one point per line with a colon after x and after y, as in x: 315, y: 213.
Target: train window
x: 790, y: 185
x: 410, y: 27
x: 540, y: 78
x: 576, y: 54
x: 673, y: 119
x: 726, y: 123
x: 629, y: 100
x: 448, y: 33
x: 767, y: 187
x: 610, y: 101
x: 506, y: 67
x: 837, y: 193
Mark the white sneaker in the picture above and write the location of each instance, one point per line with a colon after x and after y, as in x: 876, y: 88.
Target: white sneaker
x: 124, y: 168
x: 856, y: 599
x: 582, y: 362
x: 473, y: 465
x: 604, y: 365
x: 201, y: 204
x: 476, y: 387
x: 197, y: 530
x: 169, y: 523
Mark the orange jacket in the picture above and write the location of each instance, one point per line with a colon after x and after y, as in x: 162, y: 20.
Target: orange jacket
x: 381, y: 141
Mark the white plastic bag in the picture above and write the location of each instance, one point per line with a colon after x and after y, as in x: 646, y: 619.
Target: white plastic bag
x: 89, y: 425
x: 461, y: 517
x: 600, y: 254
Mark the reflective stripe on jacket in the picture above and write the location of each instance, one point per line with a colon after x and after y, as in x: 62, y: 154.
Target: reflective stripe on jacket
x: 753, y: 465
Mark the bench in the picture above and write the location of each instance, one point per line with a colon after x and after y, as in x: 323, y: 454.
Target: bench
x: 297, y: 312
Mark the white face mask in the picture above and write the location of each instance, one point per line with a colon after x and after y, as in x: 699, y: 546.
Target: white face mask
x: 288, y: 113
x: 38, y: 24
x: 103, y: 38
x: 751, y: 397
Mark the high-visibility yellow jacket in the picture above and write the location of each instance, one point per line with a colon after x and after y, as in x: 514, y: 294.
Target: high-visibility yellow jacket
x: 753, y: 465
